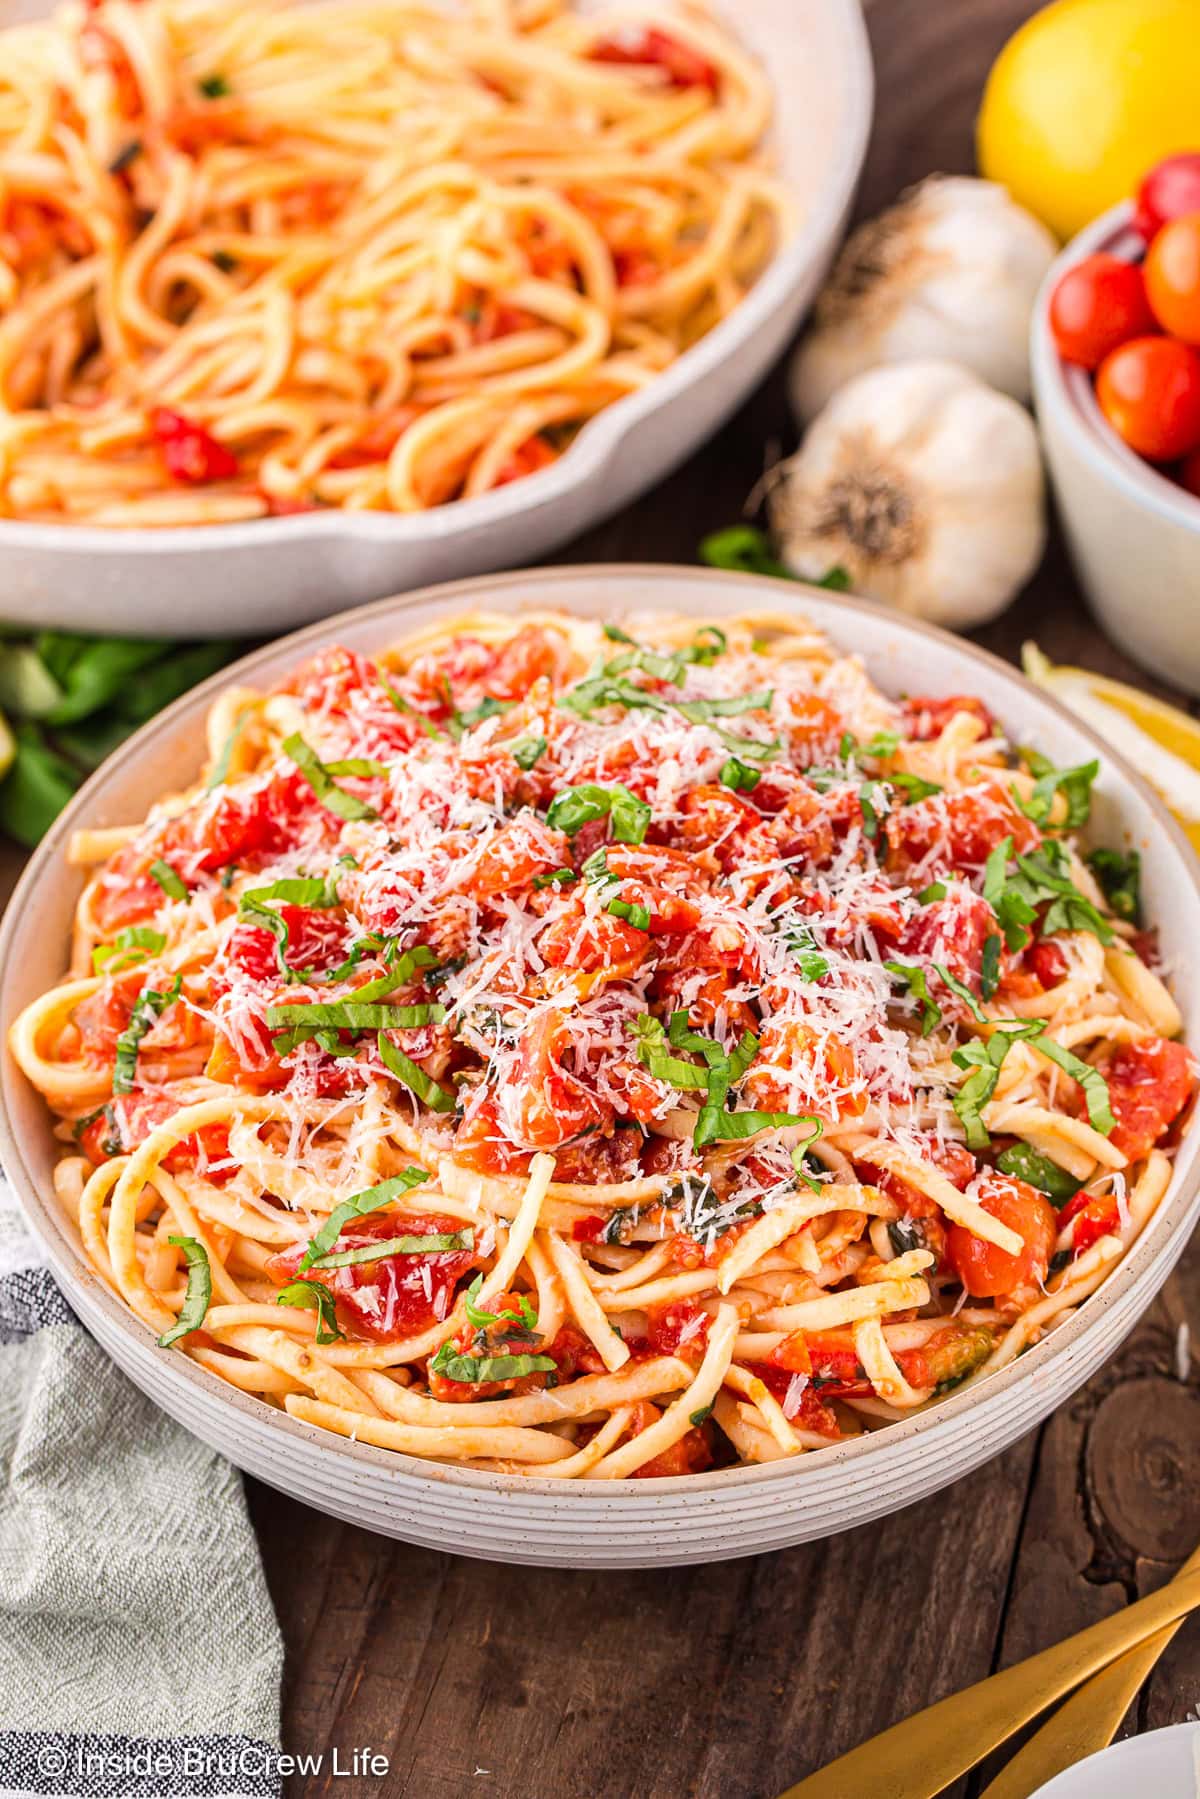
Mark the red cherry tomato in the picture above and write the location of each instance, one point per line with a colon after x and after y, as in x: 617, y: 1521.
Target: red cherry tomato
x: 1189, y: 473
x: 1097, y: 305
x: 988, y: 1272
x: 1149, y: 391
x: 190, y: 452
x: 1173, y: 277
x: 1170, y: 189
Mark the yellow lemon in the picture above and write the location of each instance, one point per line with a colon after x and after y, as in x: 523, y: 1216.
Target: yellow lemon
x: 1161, y: 742
x: 1087, y: 97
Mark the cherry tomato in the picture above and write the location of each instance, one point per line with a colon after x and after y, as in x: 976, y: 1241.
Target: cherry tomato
x: 988, y: 1272
x: 1096, y: 306
x: 1149, y: 391
x: 1189, y: 473
x: 1170, y: 189
x: 683, y: 66
x: 1149, y: 1083
x: 1173, y: 277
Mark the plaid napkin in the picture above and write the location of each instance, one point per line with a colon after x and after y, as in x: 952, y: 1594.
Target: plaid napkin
x: 139, y: 1653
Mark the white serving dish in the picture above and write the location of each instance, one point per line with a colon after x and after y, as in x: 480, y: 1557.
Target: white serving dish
x: 623, y: 1523
x: 270, y: 575
x: 1134, y: 536
x: 1163, y: 1762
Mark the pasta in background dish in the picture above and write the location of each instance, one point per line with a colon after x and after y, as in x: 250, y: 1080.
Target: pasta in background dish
x: 261, y: 258
x: 597, y: 1051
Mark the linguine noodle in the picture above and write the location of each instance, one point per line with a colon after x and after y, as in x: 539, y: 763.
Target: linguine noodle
x: 261, y: 258
x: 612, y: 1051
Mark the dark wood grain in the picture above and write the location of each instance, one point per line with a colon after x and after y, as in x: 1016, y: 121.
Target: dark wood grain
x: 729, y: 1682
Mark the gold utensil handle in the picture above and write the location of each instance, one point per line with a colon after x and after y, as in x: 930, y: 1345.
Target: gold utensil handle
x: 1088, y: 1721
x: 918, y: 1757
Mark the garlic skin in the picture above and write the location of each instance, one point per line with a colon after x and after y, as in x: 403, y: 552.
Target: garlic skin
x: 951, y: 270
x: 924, y: 485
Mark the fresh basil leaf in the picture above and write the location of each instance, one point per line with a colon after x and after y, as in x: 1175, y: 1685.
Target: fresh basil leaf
x: 371, y: 1199
x: 1095, y: 1087
x: 131, y: 945
x: 402, y: 705
x: 574, y: 807
x: 652, y: 1051
x: 171, y: 882
x: 989, y: 967
x: 527, y: 751
x: 701, y: 1413
x: 101, y: 671
x: 915, y: 979
x: 199, y: 1291
x: 147, y: 1009
x: 312, y: 1296
x: 473, y: 1370
x: 214, y: 87
x: 715, y: 1125
x: 800, y: 1154
x: 834, y: 580
x: 936, y: 890
x: 1120, y: 881
x: 913, y: 787
x: 525, y: 1316
x: 745, y: 549
x: 800, y: 940
x: 874, y: 804
x: 363, y: 766
x: 406, y: 1071
x: 699, y: 712
x: 1025, y: 1163
x: 353, y: 1015
x: 556, y: 877
x: 963, y: 992
x: 1075, y: 785
x: 444, y: 1243
x: 335, y: 799
x: 984, y: 1061
x: 737, y: 775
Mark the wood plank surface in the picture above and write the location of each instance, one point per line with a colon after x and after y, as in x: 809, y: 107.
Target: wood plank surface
x: 729, y: 1682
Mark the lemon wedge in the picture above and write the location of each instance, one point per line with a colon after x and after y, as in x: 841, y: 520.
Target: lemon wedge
x: 1161, y: 742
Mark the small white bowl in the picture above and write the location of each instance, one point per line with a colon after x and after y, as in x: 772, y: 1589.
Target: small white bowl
x: 270, y: 575
x: 630, y: 1523
x: 1134, y: 535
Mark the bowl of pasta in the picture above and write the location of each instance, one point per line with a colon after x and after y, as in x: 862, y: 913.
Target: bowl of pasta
x: 304, y: 304
x: 610, y: 1065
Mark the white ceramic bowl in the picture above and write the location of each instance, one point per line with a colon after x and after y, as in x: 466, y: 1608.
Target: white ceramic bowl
x: 620, y: 1523
x: 1134, y: 536
x: 256, y: 579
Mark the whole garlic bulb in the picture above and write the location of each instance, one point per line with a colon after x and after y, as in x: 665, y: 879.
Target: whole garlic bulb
x: 951, y: 270
x: 924, y: 485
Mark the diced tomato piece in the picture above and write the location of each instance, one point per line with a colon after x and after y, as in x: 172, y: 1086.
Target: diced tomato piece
x: 535, y: 453
x: 191, y: 454
x: 1095, y: 1217
x: 128, y: 1119
x: 960, y: 830
x: 683, y: 66
x: 925, y: 718
x: 589, y: 942
x: 545, y: 1104
x: 988, y: 1272
x: 692, y: 1454
x: 1149, y: 1084
x: 604, y: 1159
x: 316, y: 939
x: 952, y: 932
x: 480, y: 1142
x: 1047, y: 962
x: 515, y: 854
x: 398, y: 1295
x: 678, y: 1328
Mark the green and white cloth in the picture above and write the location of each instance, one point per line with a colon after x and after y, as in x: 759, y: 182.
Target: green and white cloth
x: 140, y: 1657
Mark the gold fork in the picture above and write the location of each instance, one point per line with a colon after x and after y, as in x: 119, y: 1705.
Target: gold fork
x: 1089, y: 1719
x: 918, y: 1757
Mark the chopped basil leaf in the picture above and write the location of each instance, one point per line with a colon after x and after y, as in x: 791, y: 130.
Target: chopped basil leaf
x: 745, y: 549
x: 873, y: 803
x: 557, y: 877
x: 443, y: 1244
x: 406, y: 1071
x: 615, y: 634
x: 835, y: 579
x: 311, y: 1296
x: 353, y: 1015
x: 171, y: 883
x: 737, y: 775
x: 213, y: 87
x: 357, y: 1206
x: 964, y: 992
x: 488, y: 707
x: 800, y: 1155
x: 199, y: 1291
x: 984, y: 1060
x: 319, y: 892
x: 915, y: 980
x: 699, y: 712
x: 363, y: 766
x: 715, y: 1125
x: 913, y: 787
x: 335, y: 799
x: 1040, y: 876
x: 1095, y: 1087
x: 402, y: 705
x: 936, y: 890
x: 989, y: 967
x: 698, y: 1416
x: 1075, y: 785
x: 575, y: 807
x: 131, y: 945
x: 148, y: 1008
x: 527, y: 751
x: 652, y: 1051
x: 1025, y: 1163
x: 525, y: 1316
x: 128, y: 153
x: 1120, y: 881
x: 635, y: 915
x: 800, y: 940
x: 472, y: 1370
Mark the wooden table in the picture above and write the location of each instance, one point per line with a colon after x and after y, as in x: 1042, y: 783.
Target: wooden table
x: 732, y: 1681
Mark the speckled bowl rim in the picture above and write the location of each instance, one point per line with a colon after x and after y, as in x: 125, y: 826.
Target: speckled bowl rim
x: 637, y: 580
x: 1069, y: 391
